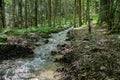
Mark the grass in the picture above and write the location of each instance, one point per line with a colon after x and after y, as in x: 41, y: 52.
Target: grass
x: 46, y: 30
x: 112, y: 32
x: 2, y: 39
x: 95, y: 18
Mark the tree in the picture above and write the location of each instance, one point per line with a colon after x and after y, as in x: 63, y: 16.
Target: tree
x: 116, y: 26
x: 2, y: 13
x: 20, y: 17
x: 75, y: 13
x: 26, y: 13
x: 36, y: 13
x: 88, y: 15
x: 49, y: 13
x: 13, y: 13
x: 80, y: 11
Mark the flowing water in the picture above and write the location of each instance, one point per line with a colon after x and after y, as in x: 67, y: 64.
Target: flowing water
x: 27, y: 69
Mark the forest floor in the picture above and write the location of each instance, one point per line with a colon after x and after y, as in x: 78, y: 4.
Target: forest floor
x: 14, y: 42
x: 12, y: 47
x: 94, y: 56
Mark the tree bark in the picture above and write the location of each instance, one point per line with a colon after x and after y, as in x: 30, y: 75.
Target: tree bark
x: 75, y: 13
x: 2, y: 13
x: 117, y: 16
x: 26, y: 12
x: 20, y: 18
x: 36, y: 13
x: 88, y: 16
x: 80, y: 16
x: 13, y: 13
x: 49, y: 13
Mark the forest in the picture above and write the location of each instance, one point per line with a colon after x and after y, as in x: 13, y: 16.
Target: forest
x: 59, y: 39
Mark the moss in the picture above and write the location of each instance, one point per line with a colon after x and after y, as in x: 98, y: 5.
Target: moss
x: 45, y: 30
x: 112, y: 32
x: 117, y: 43
x: 2, y: 39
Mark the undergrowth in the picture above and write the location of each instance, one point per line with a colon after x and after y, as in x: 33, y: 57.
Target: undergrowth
x: 46, y: 30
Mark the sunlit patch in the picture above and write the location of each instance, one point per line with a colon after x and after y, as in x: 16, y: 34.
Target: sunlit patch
x: 34, y: 79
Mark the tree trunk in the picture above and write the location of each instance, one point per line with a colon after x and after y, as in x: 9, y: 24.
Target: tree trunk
x: 49, y: 13
x: 75, y: 13
x: 88, y: 16
x: 26, y: 12
x: 80, y: 11
x: 117, y: 16
x: 13, y: 13
x: 36, y: 13
x: 20, y: 18
x: 2, y: 14
x: 1, y: 24
x: 55, y: 12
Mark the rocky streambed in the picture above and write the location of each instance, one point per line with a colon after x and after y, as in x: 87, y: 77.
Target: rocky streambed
x: 32, y: 68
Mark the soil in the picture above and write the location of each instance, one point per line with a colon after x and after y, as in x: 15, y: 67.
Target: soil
x: 94, y: 56
x: 14, y: 46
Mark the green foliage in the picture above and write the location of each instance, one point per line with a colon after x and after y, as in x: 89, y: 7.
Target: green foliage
x: 10, y: 31
x: 117, y: 43
x: 112, y: 32
x: 8, y: 2
x: 2, y: 39
x: 45, y: 30
x: 95, y: 18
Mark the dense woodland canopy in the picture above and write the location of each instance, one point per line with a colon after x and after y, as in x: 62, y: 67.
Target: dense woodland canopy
x: 42, y: 13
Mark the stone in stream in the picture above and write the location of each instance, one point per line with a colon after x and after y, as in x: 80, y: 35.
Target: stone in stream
x: 2, y: 72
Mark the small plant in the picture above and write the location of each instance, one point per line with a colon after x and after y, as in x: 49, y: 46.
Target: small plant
x: 2, y: 39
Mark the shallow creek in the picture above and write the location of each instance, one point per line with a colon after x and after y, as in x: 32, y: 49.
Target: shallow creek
x: 30, y: 68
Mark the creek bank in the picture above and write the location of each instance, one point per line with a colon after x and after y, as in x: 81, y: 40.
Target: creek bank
x: 10, y: 51
x: 22, y: 45
x: 33, y: 67
x: 94, y: 56
x: 61, y: 51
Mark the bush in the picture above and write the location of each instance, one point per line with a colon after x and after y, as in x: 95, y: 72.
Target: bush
x: 2, y: 39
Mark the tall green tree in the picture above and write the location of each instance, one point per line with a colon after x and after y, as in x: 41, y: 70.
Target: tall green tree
x: 49, y: 13
x: 80, y: 13
x: 2, y: 14
x: 117, y: 16
x: 75, y: 13
x: 13, y: 13
x: 88, y: 15
x: 26, y: 13
x: 36, y: 13
x: 20, y: 13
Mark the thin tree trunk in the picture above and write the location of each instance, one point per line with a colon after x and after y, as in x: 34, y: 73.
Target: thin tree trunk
x: 36, y: 13
x: 55, y: 12
x: 117, y: 16
x: 20, y: 14
x: 26, y: 12
x: 13, y: 13
x: 80, y: 11
x: 75, y: 13
x: 2, y: 14
x: 88, y: 15
x: 49, y: 13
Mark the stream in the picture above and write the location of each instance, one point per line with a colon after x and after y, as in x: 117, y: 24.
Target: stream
x: 29, y: 68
